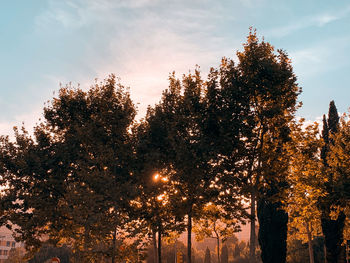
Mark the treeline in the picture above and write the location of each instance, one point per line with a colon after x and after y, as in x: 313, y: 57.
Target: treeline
x: 214, y: 152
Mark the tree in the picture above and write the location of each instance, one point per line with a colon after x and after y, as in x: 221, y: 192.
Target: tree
x: 250, y: 108
x: 236, y: 251
x: 224, y: 254
x: 48, y: 251
x: 207, y: 258
x: 304, y: 179
x: 270, y: 86
x: 16, y: 255
x: 331, y: 203
x: 154, y: 201
x: 166, y: 149
x: 297, y: 251
x: 188, y: 154
x: 225, y: 126
x: 339, y: 165
x: 214, y: 223
x: 72, y: 180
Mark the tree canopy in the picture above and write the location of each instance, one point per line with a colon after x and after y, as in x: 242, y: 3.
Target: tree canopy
x: 213, y: 153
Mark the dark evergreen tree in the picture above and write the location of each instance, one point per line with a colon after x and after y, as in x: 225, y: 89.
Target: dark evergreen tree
x: 236, y: 251
x: 207, y: 258
x: 333, y: 118
x: 272, y: 230
x: 224, y: 254
x: 325, y: 137
x: 332, y: 228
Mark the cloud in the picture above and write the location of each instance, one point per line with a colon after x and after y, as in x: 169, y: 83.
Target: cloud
x: 61, y: 12
x: 28, y: 119
x: 141, y: 46
x: 318, y: 20
x: 325, y: 19
x: 250, y: 3
x: 321, y: 57
x: 311, y: 60
x: 310, y: 122
x: 78, y: 13
x: 144, y: 49
x: 145, y: 67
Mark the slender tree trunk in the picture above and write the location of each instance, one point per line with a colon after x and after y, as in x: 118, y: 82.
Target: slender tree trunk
x: 218, y: 244
x: 154, y: 241
x: 114, y: 242
x: 252, y: 226
x: 253, y: 197
x: 85, y: 253
x: 309, y: 241
x: 160, y: 244
x: 189, y: 239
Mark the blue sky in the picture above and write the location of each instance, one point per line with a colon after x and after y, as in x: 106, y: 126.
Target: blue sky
x: 45, y: 43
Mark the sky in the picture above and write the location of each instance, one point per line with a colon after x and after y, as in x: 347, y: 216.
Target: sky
x: 45, y: 44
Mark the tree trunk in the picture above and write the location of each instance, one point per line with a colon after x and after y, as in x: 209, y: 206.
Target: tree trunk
x: 160, y: 244
x: 218, y: 244
x: 272, y: 231
x: 114, y: 242
x: 154, y: 241
x: 309, y: 241
x: 252, y: 227
x: 333, y: 233
x: 85, y: 253
x: 189, y: 239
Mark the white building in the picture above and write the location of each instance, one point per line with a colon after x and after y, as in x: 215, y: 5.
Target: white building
x: 7, y: 242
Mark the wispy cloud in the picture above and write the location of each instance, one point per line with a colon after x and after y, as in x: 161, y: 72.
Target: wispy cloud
x: 144, y: 48
x: 28, y: 109
x: 145, y: 68
x: 61, y: 12
x: 315, y: 59
x: 326, y: 18
x: 250, y: 3
x: 28, y: 119
x: 141, y: 41
x: 317, y: 20
x: 311, y: 60
x: 310, y: 122
x: 78, y: 13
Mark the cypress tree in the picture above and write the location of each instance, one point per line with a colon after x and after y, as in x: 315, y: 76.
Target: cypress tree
x: 273, y: 230
x: 224, y: 254
x: 325, y: 135
x: 236, y: 252
x: 333, y: 118
x: 207, y: 258
x: 332, y: 228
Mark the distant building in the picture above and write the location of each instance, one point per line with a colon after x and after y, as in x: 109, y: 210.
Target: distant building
x: 7, y: 242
